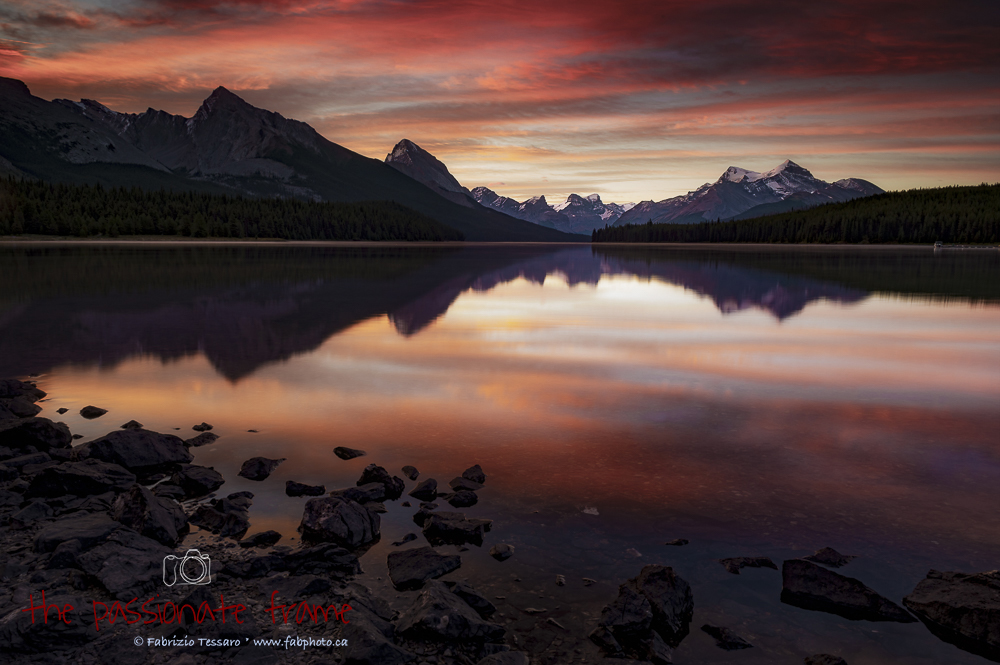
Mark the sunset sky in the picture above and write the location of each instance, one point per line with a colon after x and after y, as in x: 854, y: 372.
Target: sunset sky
x: 635, y: 100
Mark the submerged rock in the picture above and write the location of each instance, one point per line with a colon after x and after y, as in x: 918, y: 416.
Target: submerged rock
x: 409, y: 569
x: 346, y: 453
x: 91, y: 412
x: 340, y: 520
x: 830, y: 557
x: 293, y: 488
x: 132, y: 424
x: 502, y: 551
x: 259, y: 468
x: 726, y: 638
x: 202, y: 439
x: 677, y: 542
x: 962, y: 609
x: 408, y: 538
x: 809, y: 586
x: 735, y: 564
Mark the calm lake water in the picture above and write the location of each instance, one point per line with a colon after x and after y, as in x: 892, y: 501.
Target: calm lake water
x: 754, y: 401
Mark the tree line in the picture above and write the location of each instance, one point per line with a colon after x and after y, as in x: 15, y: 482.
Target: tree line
x: 953, y: 215
x: 41, y: 208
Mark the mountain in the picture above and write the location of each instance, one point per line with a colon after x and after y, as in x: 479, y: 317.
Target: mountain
x: 740, y: 193
x: 409, y: 158
x: 576, y: 215
x: 227, y: 146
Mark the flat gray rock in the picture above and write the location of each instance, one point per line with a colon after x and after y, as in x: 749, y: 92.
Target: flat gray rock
x: 84, y: 478
x: 962, y: 609
x: 446, y: 527
x: 409, y: 569
x: 138, y: 449
x: 810, y: 586
x: 259, y: 468
x: 88, y: 529
x: 196, y: 480
x: 339, y: 520
x: 345, y: 453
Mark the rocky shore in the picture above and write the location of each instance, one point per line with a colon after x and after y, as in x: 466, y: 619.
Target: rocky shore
x: 97, y: 525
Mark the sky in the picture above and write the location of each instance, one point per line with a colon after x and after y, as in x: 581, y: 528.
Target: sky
x: 634, y: 99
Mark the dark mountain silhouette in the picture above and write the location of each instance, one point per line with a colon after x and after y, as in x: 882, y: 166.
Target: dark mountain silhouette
x: 228, y: 146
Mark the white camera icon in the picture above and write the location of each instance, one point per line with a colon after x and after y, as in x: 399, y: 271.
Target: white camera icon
x: 179, y: 569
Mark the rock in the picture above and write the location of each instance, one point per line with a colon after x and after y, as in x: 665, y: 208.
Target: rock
x: 138, y: 450
x: 34, y: 511
x: 345, y: 453
x: 293, y: 488
x: 294, y: 587
x: 17, y: 388
x: 677, y: 542
x: 376, y: 474
x: 259, y: 468
x: 426, y: 490
x: 454, y: 528
x: 326, y: 559
x: 725, y: 638
x: 560, y: 580
x: 475, y: 474
x: 438, y: 614
x: 410, y: 472
x: 62, y: 410
x: 369, y: 644
x: 202, y: 439
x: 961, y: 609
x: 19, y: 635
x: 367, y: 493
x: 126, y: 563
x: 38, y: 433
x: 473, y: 599
x: 204, y: 427
x: 824, y: 659
x: 735, y: 564
x: 830, y: 557
x: 227, y: 517
x: 655, y: 650
x: 147, y: 514
x: 459, y: 484
x: 64, y: 555
x: 196, y: 481
x: 91, y: 412
x: 464, y: 499
x: 502, y: 551
x: 168, y: 491
x: 21, y: 406
x: 629, y: 617
x: 506, y: 658
x: 809, y: 586
x: 606, y: 642
x: 342, y: 521
x: 80, y: 479
x: 405, y: 504
x: 408, y: 538
x: 24, y: 460
x: 671, y: 600
x: 132, y: 424
x: 409, y: 569
x: 261, y: 539
x: 88, y: 529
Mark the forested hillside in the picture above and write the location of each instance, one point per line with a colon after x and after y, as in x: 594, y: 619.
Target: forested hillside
x: 40, y: 208
x: 946, y: 214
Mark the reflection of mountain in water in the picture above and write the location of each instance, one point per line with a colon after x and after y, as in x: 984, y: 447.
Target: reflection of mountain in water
x: 245, y: 306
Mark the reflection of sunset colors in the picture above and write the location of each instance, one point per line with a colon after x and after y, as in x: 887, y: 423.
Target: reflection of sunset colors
x: 635, y: 100
x: 640, y: 394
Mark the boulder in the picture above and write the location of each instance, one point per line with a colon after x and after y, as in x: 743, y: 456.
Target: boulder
x: 126, y: 563
x: 339, y: 520
x: 502, y: 551
x: 138, y: 450
x: 368, y: 493
x: 261, y: 539
x: 226, y: 517
x: 18, y: 407
x: 459, y: 484
x: 293, y: 488
x: 726, y: 638
x: 454, y: 528
x: 735, y: 564
x: 629, y: 618
x: 153, y: 517
x: 370, y: 644
x: 39, y: 433
x: 91, y: 412
x: 409, y: 569
x: 259, y: 468
x: 10, y: 388
x: 475, y: 474
x: 426, y: 490
x: 345, y: 453
x: 410, y: 472
x: 84, y: 478
x: 202, y: 439
x: 961, y: 608
x: 196, y: 480
x: 438, y: 614
x: 464, y: 499
x: 670, y: 598
x: 809, y: 586
x: 89, y: 530
x: 132, y: 424
x: 830, y: 557
x: 472, y: 598
x: 376, y: 474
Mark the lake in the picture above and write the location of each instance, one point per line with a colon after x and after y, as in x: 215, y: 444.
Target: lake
x: 754, y: 401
